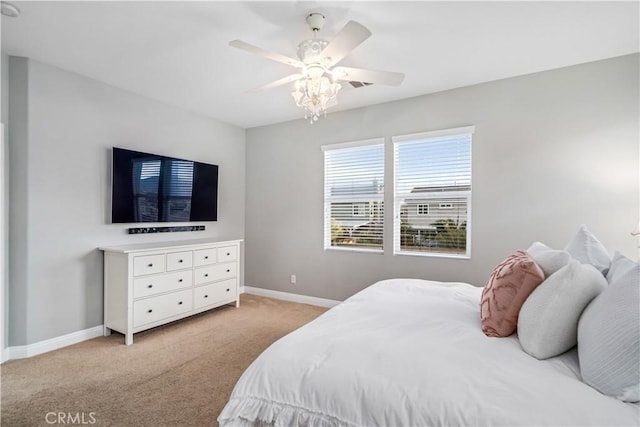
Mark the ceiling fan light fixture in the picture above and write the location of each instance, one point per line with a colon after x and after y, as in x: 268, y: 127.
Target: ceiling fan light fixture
x: 314, y: 95
x: 316, y: 85
x: 310, y: 50
x: 314, y: 71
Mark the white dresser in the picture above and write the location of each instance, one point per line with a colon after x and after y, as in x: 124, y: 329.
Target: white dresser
x: 150, y: 284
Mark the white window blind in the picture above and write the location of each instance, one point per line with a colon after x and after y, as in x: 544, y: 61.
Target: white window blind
x: 353, y: 195
x: 433, y: 169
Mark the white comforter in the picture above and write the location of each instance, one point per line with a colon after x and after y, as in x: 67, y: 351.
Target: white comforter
x: 408, y: 352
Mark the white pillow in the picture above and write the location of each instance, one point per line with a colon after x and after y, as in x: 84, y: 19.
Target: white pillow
x: 549, y: 260
x: 586, y: 248
x: 609, y: 335
x: 620, y: 265
x: 548, y: 320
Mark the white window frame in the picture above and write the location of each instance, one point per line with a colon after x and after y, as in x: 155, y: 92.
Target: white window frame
x: 355, y: 199
x: 399, y: 199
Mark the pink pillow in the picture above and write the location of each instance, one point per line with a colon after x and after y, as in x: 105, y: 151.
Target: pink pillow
x: 511, y: 282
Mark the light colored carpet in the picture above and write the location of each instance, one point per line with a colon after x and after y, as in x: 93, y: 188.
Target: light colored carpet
x: 179, y: 374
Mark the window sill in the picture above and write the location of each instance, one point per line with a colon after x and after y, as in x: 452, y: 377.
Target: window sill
x: 365, y: 250
x: 432, y: 254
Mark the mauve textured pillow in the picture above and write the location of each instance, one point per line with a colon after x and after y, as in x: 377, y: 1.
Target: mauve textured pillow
x: 548, y: 321
x: 509, y: 285
x: 586, y: 248
x: 609, y: 335
x: 549, y: 260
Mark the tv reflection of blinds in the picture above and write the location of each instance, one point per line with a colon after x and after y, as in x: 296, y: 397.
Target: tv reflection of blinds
x: 153, y: 188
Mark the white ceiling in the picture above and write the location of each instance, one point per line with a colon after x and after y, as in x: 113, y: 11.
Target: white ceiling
x: 177, y: 52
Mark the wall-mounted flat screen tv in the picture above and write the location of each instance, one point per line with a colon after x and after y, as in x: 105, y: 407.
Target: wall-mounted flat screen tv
x: 152, y: 188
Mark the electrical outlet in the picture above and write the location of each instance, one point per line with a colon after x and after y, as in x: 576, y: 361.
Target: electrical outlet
x: 293, y: 279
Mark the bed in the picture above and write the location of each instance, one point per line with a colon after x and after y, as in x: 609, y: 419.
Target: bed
x: 409, y: 352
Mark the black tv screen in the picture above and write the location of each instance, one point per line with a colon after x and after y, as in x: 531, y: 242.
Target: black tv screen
x: 152, y: 188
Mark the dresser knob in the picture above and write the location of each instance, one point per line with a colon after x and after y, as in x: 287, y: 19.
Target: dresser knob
x: 180, y: 280
x: 149, y: 311
x: 228, y: 270
x: 179, y: 302
x: 227, y: 289
x: 179, y: 260
x: 206, y: 257
x: 228, y: 254
x: 150, y: 265
x: 206, y: 296
x: 206, y: 275
x: 149, y: 286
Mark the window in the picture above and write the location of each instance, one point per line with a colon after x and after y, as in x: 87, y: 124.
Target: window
x: 433, y: 169
x: 353, y: 195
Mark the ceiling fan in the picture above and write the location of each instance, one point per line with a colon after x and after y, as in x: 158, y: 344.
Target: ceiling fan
x: 317, y: 81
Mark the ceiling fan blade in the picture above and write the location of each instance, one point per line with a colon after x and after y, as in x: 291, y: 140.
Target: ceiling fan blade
x: 280, y: 82
x: 344, y: 42
x: 265, y: 53
x: 368, y: 76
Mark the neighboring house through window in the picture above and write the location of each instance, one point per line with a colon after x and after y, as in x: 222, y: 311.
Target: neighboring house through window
x: 354, y: 195
x: 432, y: 193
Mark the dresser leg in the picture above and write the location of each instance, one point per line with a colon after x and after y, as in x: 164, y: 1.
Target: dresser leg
x: 238, y: 303
x: 128, y: 339
x: 106, y: 332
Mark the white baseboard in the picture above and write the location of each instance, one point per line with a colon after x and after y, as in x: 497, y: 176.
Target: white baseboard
x: 22, y: 351
x: 304, y: 299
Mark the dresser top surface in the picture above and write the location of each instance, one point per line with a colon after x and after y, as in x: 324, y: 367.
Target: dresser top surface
x: 177, y: 244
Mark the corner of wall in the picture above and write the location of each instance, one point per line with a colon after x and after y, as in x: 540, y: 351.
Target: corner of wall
x: 16, y: 238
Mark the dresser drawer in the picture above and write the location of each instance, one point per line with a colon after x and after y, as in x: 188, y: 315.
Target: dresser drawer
x: 214, y: 272
x: 227, y: 253
x: 214, y: 292
x: 151, y: 285
x: 153, y: 309
x: 179, y: 260
x: 204, y: 257
x: 149, y: 264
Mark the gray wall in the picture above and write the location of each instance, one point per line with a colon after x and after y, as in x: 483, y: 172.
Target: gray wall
x: 62, y: 127
x: 551, y: 151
